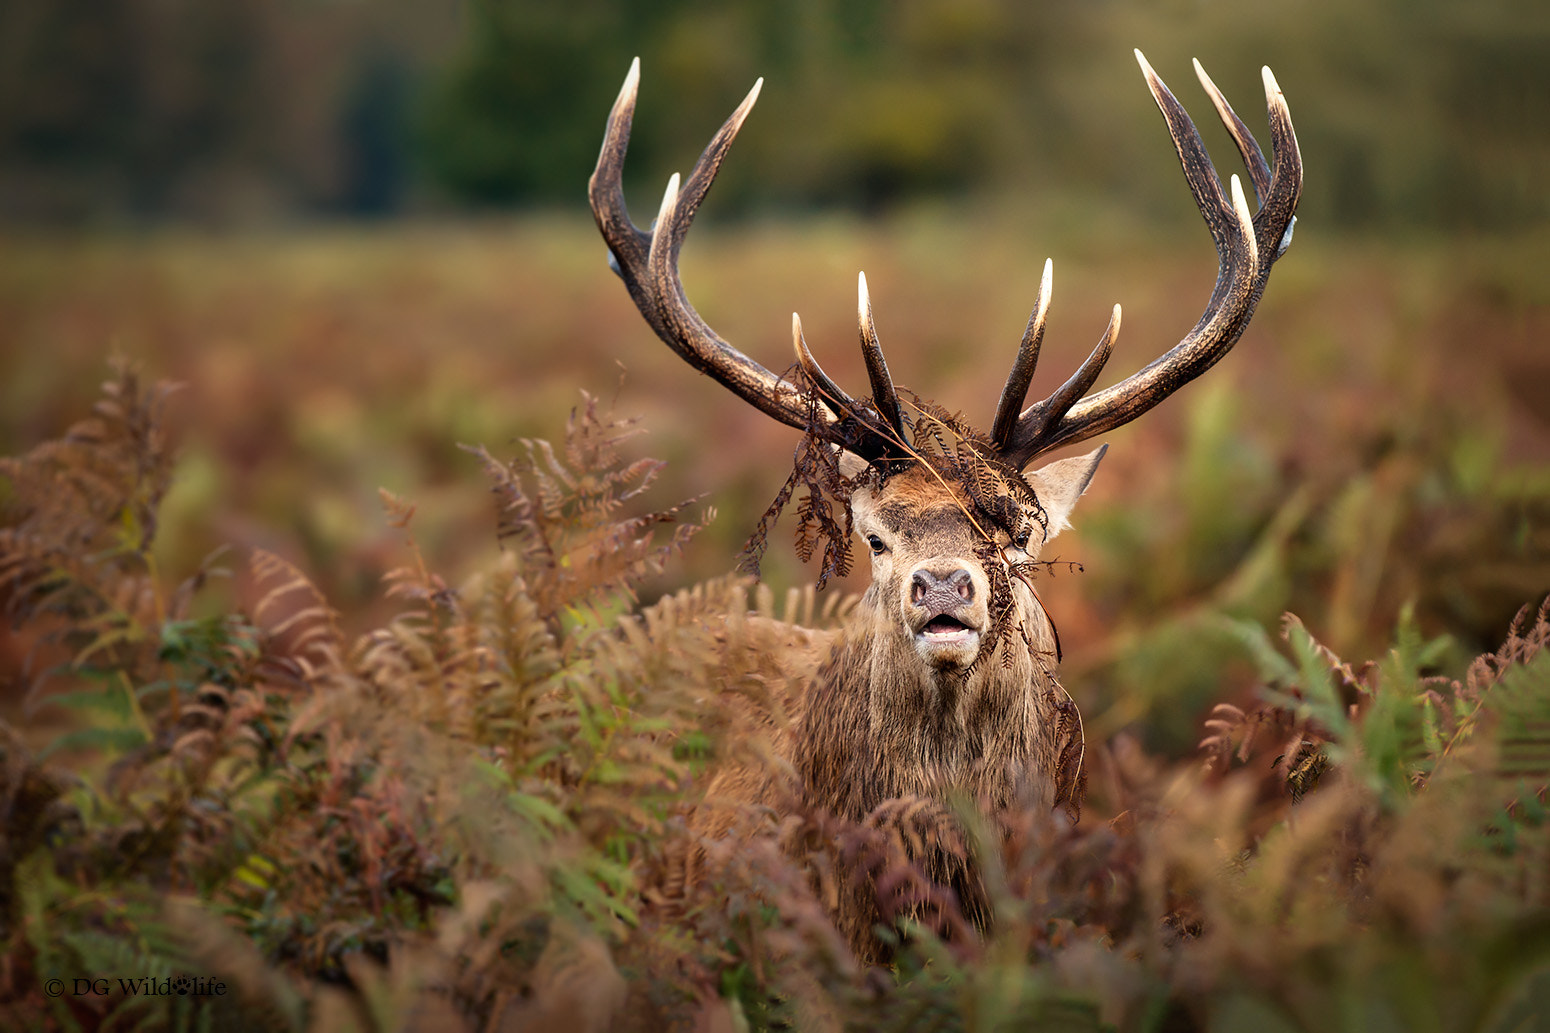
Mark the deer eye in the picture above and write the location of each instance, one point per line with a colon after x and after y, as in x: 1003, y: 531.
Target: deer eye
x: 876, y: 544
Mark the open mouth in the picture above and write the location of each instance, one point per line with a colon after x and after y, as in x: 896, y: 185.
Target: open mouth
x: 946, y: 628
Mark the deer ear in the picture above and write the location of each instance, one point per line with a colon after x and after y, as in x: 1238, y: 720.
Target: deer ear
x: 851, y: 465
x: 1058, y: 485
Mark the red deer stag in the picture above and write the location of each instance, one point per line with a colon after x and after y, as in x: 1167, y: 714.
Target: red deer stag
x: 944, y: 679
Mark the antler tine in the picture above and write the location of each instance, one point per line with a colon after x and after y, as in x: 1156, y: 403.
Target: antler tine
x: 829, y: 392
x: 648, y: 262
x: 1276, y: 197
x: 709, y: 164
x: 1017, y: 381
x: 884, y: 396
x: 1053, y: 409
x: 1246, y: 246
x: 1199, y: 172
x: 627, y: 243
x: 1280, y: 207
x: 1248, y: 147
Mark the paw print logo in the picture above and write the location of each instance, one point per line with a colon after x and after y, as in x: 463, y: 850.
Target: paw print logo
x: 183, y: 986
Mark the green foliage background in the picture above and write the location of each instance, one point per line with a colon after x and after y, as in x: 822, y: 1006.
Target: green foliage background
x: 870, y: 102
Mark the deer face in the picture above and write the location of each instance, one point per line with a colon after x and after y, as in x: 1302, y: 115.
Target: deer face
x: 926, y: 576
x: 930, y: 552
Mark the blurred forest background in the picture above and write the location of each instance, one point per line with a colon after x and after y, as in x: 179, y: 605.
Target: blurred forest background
x: 123, y: 112
x: 357, y: 232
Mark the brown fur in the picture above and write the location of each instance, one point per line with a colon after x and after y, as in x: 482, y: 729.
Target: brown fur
x: 906, y: 707
x: 879, y: 730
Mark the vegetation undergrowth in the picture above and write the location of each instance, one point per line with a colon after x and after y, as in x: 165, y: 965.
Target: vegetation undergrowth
x: 469, y: 817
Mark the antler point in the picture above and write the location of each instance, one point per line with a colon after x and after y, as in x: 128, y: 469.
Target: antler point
x: 669, y: 198
x: 660, y: 235
x: 631, y: 81
x: 864, y: 305
x: 1041, y: 304
x: 753, y: 95
x: 1272, y: 88
x: 1207, y: 84
x: 1240, y: 205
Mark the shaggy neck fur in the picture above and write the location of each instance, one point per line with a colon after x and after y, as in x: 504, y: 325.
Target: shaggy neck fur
x: 881, y: 724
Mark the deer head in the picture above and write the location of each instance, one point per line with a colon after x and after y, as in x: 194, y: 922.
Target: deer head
x: 891, y: 470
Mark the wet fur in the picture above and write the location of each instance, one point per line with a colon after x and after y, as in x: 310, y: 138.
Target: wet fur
x: 877, y: 737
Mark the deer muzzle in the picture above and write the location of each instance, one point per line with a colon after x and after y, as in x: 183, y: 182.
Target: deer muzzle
x: 947, y: 614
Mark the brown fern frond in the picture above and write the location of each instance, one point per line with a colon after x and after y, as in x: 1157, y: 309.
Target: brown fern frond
x: 758, y: 542
x: 815, y: 468
x: 592, y: 439
x: 78, y: 514
x: 563, y: 515
x: 294, y: 612
x: 1462, y: 709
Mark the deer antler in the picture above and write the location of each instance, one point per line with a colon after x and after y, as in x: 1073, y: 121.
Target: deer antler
x: 648, y: 264
x: 1246, y: 247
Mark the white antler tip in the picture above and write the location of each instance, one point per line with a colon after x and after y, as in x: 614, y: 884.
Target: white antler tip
x: 658, y: 251
x: 669, y: 199
x: 1205, y: 80
x: 1240, y: 205
x: 1272, y: 88
x: 798, y: 346
x: 748, y: 101
x: 631, y: 84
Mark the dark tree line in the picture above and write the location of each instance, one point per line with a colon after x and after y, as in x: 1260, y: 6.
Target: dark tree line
x: 1412, y: 113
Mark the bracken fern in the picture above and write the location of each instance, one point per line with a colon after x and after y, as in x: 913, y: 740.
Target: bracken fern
x: 474, y: 816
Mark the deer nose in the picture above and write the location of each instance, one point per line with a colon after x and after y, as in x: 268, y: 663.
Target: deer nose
x: 928, y: 585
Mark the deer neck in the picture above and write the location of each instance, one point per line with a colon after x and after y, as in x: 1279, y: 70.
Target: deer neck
x: 883, y: 725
